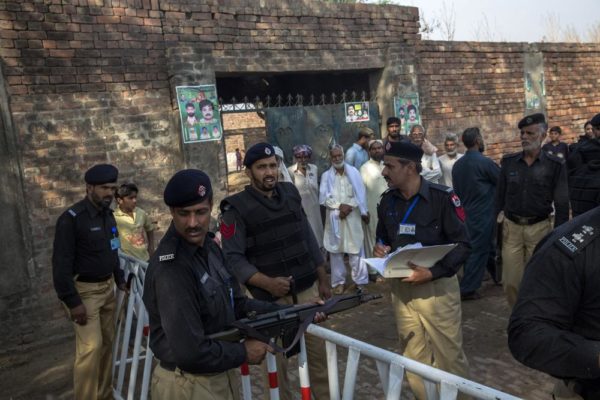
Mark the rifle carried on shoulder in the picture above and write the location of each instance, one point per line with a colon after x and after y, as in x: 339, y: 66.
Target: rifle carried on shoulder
x: 288, y: 323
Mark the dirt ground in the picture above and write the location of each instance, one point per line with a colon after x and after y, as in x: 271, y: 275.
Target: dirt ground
x: 46, y: 373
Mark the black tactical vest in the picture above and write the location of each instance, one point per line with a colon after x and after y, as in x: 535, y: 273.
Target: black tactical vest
x: 584, y: 187
x: 275, y: 239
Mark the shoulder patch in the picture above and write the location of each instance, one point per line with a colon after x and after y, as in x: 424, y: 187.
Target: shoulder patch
x: 458, y: 208
x: 227, y: 231
x: 573, y: 242
x: 166, y: 257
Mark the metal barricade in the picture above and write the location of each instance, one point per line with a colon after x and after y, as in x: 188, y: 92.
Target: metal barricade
x: 132, y: 359
x: 391, y: 367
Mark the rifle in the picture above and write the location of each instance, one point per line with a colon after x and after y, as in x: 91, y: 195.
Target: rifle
x: 288, y: 323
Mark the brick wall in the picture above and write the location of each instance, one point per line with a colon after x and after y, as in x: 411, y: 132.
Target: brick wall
x: 464, y: 84
x: 93, y: 81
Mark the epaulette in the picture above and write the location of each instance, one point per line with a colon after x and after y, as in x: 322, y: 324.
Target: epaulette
x: 224, y: 206
x: 75, y: 210
x: 388, y: 190
x: 573, y: 242
x: 555, y: 158
x: 441, y: 188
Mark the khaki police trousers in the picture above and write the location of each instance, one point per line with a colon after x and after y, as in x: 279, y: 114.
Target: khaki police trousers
x: 92, y: 374
x: 428, y: 320
x: 518, y: 243
x: 179, y: 385
x: 315, y: 352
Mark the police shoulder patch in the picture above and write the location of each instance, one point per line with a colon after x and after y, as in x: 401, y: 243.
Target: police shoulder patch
x: 571, y: 243
x: 166, y: 257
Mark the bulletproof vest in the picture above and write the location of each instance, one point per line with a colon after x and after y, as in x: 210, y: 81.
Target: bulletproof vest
x: 584, y: 187
x: 275, y: 239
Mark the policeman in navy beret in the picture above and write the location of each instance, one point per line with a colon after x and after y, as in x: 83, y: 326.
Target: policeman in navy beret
x: 190, y: 293
x: 85, y: 267
x: 258, y: 152
x: 415, y: 210
x: 531, y: 184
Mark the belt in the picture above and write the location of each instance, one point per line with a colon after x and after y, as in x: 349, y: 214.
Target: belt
x: 93, y: 279
x: 517, y: 219
x: 172, y: 367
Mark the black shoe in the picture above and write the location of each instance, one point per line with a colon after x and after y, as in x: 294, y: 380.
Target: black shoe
x: 474, y: 295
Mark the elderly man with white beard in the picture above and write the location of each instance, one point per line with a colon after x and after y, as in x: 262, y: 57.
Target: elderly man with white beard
x: 342, y: 192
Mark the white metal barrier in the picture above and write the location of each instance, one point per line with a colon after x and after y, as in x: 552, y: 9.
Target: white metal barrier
x: 132, y: 323
x: 391, y: 367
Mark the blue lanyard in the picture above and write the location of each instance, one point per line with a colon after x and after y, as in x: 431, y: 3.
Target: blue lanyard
x: 410, y: 208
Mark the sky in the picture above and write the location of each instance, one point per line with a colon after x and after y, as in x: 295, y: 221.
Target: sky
x: 511, y: 20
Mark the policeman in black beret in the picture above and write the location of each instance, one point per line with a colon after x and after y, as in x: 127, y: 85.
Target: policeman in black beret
x: 272, y: 248
x: 583, y: 167
x: 415, y: 210
x: 530, y: 182
x: 190, y: 292
x: 85, y: 267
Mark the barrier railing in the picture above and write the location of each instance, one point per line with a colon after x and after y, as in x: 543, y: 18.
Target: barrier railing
x: 132, y: 318
x: 391, y: 367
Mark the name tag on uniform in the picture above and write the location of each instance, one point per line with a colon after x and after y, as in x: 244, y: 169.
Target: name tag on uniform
x: 407, y: 229
x: 115, y: 244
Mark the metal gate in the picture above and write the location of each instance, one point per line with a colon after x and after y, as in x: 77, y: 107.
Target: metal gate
x: 317, y: 121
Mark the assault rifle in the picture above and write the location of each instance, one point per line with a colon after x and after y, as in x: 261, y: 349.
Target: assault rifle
x: 288, y: 323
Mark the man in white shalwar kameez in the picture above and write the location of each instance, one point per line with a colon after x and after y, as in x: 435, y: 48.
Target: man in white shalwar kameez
x: 342, y: 192
x: 375, y: 185
x: 305, y: 178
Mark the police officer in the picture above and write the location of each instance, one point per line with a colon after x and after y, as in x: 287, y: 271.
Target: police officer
x: 85, y: 267
x: 530, y: 181
x: 584, y: 172
x: 190, y: 292
x: 269, y: 243
x: 427, y: 303
x: 555, y: 324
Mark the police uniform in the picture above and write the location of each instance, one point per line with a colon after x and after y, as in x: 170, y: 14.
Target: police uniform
x: 555, y: 324
x: 584, y: 174
x: 428, y: 315
x: 526, y: 194
x: 190, y: 292
x: 273, y: 236
x: 85, y: 267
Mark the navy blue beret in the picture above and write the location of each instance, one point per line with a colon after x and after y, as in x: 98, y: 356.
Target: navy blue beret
x: 186, y: 188
x: 393, y: 120
x: 404, y: 149
x: 258, y: 152
x: 532, y: 119
x: 596, y: 120
x: 100, y: 174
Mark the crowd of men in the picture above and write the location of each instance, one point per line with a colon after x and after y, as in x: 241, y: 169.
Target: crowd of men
x: 377, y: 196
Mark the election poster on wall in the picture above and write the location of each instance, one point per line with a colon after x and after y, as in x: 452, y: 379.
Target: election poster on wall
x: 357, y: 111
x: 406, y: 108
x: 199, y: 110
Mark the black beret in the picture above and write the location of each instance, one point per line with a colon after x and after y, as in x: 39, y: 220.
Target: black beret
x: 100, y: 174
x: 404, y: 149
x: 186, y: 188
x: 258, y: 152
x: 532, y: 119
x: 393, y: 120
x: 596, y: 120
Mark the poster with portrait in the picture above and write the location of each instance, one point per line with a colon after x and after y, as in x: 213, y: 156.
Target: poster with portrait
x: 199, y: 110
x: 406, y: 108
x: 357, y: 111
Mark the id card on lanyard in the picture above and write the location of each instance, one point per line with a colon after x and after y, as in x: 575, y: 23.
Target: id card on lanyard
x: 408, y: 229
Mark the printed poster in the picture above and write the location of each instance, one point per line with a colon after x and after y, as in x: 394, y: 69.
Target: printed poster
x: 199, y: 110
x: 357, y: 111
x: 406, y: 108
